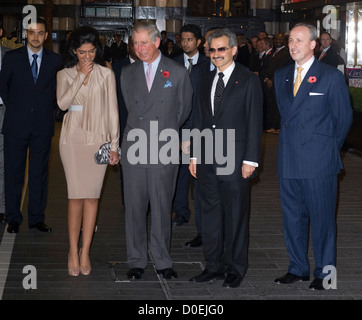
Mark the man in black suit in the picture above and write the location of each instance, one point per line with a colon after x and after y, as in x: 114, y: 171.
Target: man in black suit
x: 190, y: 41
x: 106, y: 49
x: 243, y: 54
x: 28, y: 88
x: 279, y: 58
x: 254, y: 59
x: 118, y: 49
x: 328, y: 54
x: 228, y: 111
x: 195, y: 75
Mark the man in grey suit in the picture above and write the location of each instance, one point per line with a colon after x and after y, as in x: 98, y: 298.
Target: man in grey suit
x: 158, y: 95
x: 2, y: 112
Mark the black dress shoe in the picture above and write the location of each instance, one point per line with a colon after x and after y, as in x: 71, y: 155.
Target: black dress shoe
x: 13, y: 227
x: 41, y: 226
x: 289, y: 278
x: 232, y: 281
x: 195, y: 242
x: 179, y: 221
x: 207, y: 276
x: 135, y: 273
x: 168, y: 273
x: 316, y: 284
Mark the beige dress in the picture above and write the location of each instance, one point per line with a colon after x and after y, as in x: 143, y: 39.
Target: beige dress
x: 92, y: 119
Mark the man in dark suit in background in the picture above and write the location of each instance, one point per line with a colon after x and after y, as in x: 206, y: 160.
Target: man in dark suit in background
x: 164, y: 40
x: 158, y: 95
x: 122, y: 110
x: 118, y: 48
x: 254, y: 59
x: 328, y: 53
x: 229, y: 103
x: 106, y: 49
x: 2, y: 113
x: 243, y: 55
x: 316, y: 115
x: 190, y: 41
x: 195, y: 75
x: 28, y: 88
x: 280, y: 57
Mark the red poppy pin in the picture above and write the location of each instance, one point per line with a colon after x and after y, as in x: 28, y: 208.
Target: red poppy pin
x: 312, y: 79
x: 166, y: 74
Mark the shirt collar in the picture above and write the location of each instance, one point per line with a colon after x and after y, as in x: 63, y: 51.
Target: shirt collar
x: 194, y: 58
x: 306, y: 65
x: 30, y: 54
x: 227, y: 72
x: 154, y: 63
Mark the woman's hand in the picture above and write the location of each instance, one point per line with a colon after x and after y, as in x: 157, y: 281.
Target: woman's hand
x: 113, y: 157
x: 85, y: 67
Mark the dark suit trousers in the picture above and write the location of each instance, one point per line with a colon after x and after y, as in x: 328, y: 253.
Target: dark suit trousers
x: 225, y: 223
x: 181, y: 197
x: 15, y: 154
x: 144, y: 187
x: 314, y: 201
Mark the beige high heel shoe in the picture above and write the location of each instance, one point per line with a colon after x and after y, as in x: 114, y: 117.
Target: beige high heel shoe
x: 74, y: 272
x: 85, y: 270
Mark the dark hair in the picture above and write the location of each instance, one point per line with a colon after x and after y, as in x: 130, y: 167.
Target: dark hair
x: 193, y: 28
x: 40, y: 21
x: 79, y: 37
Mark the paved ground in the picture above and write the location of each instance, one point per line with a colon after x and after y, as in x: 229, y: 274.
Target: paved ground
x: 47, y: 253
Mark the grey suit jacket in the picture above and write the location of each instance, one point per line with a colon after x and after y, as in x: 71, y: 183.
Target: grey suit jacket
x: 154, y: 118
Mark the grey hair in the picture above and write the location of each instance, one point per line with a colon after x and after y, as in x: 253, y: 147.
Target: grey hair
x: 149, y: 26
x: 312, y: 30
x: 218, y: 33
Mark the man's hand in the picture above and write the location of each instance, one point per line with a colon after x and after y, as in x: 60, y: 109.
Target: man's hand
x: 185, y: 147
x: 247, y: 170
x: 192, y: 167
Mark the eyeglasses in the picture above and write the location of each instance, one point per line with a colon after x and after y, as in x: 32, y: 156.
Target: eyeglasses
x: 222, y: 49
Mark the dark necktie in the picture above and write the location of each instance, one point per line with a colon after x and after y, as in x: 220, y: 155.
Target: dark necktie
x: 34, y: 67
x: 190, y: 65
x: 218, y: 92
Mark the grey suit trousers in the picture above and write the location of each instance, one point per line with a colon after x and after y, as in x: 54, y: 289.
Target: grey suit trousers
x: 144, y: 187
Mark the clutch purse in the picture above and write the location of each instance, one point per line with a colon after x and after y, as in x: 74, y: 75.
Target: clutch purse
x: 102, y: 155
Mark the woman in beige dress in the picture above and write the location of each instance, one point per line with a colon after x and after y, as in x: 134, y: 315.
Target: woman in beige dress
x: 87, y: 89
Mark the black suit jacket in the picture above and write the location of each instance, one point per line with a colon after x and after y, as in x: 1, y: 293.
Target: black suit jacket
x: 194, y: 77
x: 243, y: 55
x: 29, y: 106
x: 278, y: 60
x: 241, y: 110
x: 331, y: 57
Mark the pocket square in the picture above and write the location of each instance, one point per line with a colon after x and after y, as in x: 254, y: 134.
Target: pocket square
x: 316, y: 94
x: 168, y: 84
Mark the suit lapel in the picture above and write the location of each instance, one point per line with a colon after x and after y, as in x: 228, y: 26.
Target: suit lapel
x: 159, y: 79
x: 209, y: 78
x: 306, y: 85
x: 26, y: 62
